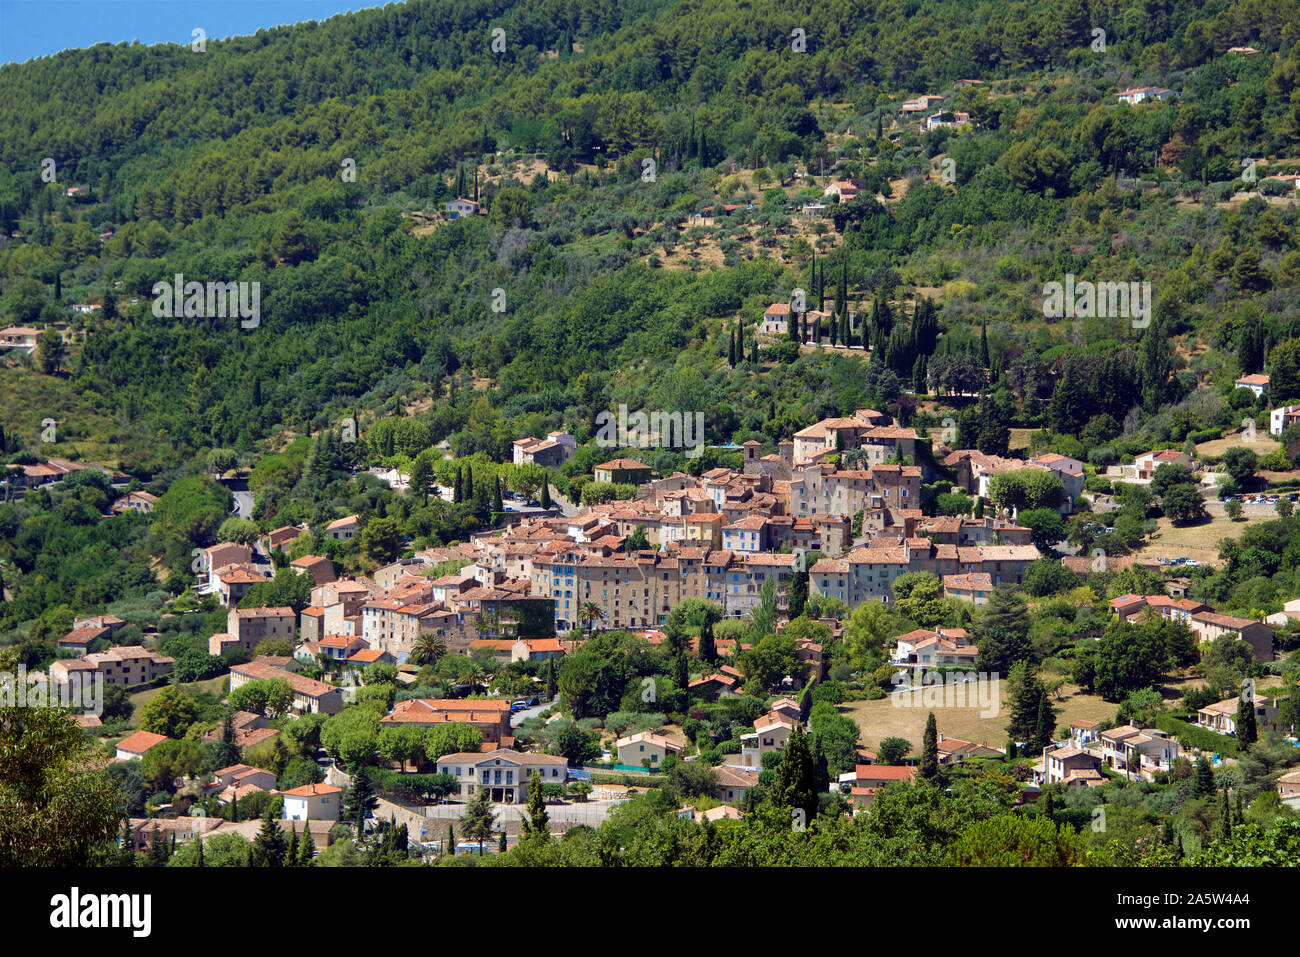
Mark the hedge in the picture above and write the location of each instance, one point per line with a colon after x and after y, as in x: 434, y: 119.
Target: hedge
x: 1192, y: 736
x: 628, y: 780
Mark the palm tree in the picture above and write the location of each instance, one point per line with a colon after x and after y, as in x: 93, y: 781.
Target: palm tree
x: 428, y: 649
x: 590, y: 614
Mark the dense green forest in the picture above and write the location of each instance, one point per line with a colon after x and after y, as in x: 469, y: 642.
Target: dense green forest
x: 229, y: 165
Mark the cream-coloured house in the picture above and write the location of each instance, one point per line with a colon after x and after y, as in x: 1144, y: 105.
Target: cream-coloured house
x: 636, y: 748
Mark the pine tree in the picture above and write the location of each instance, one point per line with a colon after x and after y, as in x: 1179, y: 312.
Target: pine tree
x: 360, y: 800
x: 479, y: 820
x: 1022, y: 694
x: 269, y: 845
x: 536, y: 822
x: 929, y: 768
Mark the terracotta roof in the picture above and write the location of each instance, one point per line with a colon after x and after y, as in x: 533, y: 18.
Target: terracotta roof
x: 140, y: 742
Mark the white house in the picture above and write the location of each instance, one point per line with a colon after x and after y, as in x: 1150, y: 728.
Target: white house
x: 1255, y: 382
x: 313, y: 802
x: 1280, y: 418
x: 1140, y: 94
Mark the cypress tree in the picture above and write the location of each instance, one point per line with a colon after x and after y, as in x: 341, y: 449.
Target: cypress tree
x: 158, y: 852
x: 842, y: 293
x: 1247, y: 729
x: 546, y: 494
x: 496, y: 495
x: 291, y: 852
x: 1241, y: 814
x: 451, y: 839
x: 1045, y: 725
x: 798, y: 596
x: 126, y: 847
x: 1203, y: 783
x: 795, y: 785
x: 551, y: 685
x: 307, y: 849
x: 457, y: 493
x: 681, y: 674
x: 984, y: 344
x: 708, y: 648
x: 821, y: 767
x: 930, y: 749
x: 501, y: 846
x: 1225, y: 817
x: 198, y: 851
x: 1011, y: 749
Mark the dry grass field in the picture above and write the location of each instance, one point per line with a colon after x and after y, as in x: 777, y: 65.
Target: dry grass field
x: 1197, y: 542
x: 883, y: 719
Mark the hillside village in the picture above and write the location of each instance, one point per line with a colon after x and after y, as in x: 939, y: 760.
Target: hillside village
x: 468, y: 644
x: 660, y: 449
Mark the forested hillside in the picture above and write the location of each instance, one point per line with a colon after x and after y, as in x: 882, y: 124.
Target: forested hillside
x: 231, y: 164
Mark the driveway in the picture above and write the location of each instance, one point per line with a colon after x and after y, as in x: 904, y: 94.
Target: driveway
x: 520, y: 717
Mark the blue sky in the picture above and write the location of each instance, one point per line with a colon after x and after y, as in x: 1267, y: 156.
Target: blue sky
x: 35, y: 28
